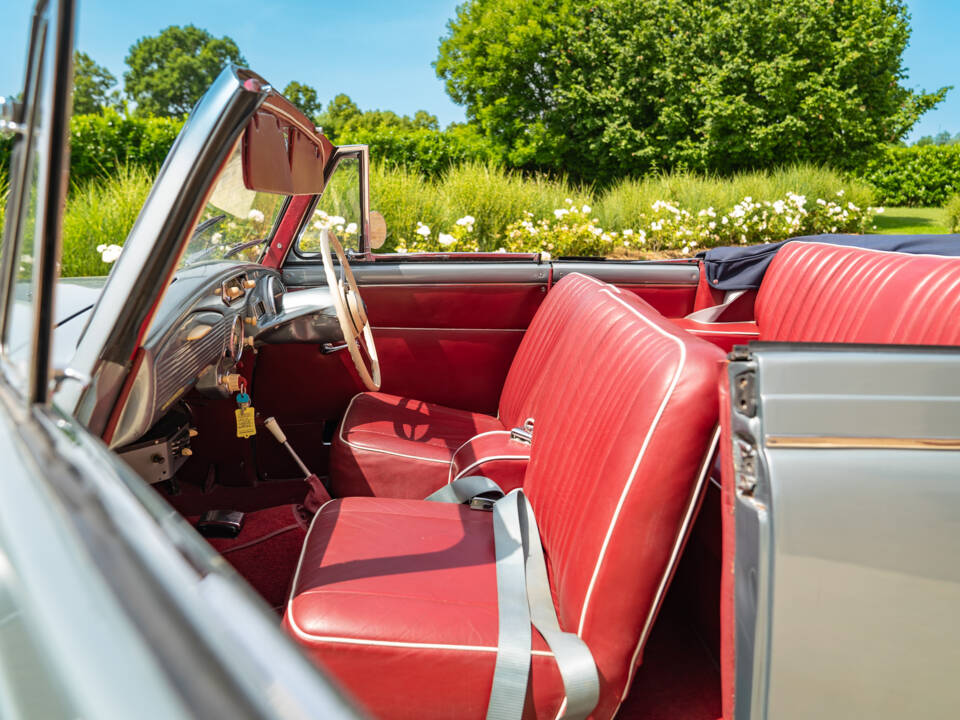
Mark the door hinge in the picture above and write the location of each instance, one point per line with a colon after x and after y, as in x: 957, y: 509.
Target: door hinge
x: 745, y: 393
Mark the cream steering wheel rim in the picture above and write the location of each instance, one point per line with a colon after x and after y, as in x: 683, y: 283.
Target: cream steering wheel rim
x: 350, y: 311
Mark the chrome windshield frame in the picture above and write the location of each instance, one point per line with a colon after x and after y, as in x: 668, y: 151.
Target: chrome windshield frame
x: 152, y: 250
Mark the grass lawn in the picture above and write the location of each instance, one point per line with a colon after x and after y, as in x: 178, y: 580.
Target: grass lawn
x: 912, y: 220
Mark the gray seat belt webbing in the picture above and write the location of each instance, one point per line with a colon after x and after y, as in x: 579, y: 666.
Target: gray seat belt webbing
x: 574, y: 660
x: 711, y: 313
x: 522, y: 569
x: 464, y: 489
x: 512, y: 670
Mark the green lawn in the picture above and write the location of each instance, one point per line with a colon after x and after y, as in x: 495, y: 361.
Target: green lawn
x: 912, y: 220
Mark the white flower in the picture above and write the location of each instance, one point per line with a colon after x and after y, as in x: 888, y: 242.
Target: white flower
x: 839, y: 193
x: 337, y: 220
x: 467, y: 221
x: 586, y: 209
x: 109, y: 253
x: 446, y: 239
x: 560, y: 212
x: 217, y: 237
x: 255, y: 215
x: 628, y: 232
x: 401, y: 251
x: 422, y: 229
x: 351, y: 229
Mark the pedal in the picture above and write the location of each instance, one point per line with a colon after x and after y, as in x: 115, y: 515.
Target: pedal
x: 220, y: 523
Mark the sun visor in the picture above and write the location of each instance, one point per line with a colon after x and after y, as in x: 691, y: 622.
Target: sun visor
x: 278, y: 158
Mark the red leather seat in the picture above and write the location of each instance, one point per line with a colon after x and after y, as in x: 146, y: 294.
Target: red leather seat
x: 397, y: 598
x: 390, y: 446
x: 815, y: 292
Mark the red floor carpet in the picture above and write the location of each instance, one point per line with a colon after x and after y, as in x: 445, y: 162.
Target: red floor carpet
x: 266, y: 551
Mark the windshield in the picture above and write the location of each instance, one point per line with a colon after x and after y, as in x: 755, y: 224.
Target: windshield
x: 236, y: 222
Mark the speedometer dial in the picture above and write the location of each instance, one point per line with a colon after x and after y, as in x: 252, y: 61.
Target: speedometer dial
x: 236, y: 338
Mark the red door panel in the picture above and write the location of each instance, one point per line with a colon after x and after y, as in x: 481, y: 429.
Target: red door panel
x: 672, y: 301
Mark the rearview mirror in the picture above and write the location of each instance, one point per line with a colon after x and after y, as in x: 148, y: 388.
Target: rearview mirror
x: 378, y: 230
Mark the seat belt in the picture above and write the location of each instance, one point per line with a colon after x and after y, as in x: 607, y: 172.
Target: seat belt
x: 524, y: 597
x: 709, y: 314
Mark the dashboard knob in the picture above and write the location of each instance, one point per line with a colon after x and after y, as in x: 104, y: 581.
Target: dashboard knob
x: 186, y: 452
x: 233, y: 292
x: 249, y: 284
x: 192, y: 432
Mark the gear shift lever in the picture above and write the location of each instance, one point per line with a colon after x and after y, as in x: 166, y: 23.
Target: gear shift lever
x: 317, y: 494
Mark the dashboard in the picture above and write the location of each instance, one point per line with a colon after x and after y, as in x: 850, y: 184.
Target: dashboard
x: 210, y: 314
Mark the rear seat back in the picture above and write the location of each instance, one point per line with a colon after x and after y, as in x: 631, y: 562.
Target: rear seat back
x: 625, y: 415
x: 815, y: 292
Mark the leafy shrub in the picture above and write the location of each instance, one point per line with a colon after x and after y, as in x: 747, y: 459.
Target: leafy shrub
x: 101, y: 212
x: 424, y: 150
x: 918, y: 176
x: 494, y: 196
x: 677, y: 212
x: 102, y: 145
x: 627, y: 203
x: 952, y: 210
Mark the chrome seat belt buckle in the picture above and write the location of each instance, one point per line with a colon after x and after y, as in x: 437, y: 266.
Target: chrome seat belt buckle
x: 481, y: 503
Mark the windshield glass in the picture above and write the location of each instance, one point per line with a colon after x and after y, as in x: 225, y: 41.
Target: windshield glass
x: 234, y: 217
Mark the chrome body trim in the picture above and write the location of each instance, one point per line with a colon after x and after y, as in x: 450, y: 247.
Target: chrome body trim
x: 835, y: 442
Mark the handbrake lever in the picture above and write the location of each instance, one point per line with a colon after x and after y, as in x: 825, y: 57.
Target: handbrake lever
x: 318, y: 494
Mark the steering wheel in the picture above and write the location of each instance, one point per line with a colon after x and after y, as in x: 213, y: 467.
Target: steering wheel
x: 350, y: 311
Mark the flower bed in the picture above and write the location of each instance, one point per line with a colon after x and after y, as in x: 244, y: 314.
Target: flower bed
x: 667, y: 226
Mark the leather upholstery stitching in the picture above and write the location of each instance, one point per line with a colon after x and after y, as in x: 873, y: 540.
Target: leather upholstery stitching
x: 636, y: 465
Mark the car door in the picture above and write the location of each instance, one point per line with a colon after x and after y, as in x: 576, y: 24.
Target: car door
x: 111, y: 605
x: 841, y: 504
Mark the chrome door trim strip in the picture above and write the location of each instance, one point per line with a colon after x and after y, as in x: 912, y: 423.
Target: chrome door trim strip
x: 833, y: 442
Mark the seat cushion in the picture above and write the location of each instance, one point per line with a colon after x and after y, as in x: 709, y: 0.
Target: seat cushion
x: 395, y: 447
x: 398, y: 600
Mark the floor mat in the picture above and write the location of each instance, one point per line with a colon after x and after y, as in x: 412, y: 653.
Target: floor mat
x: 266, y: 551
x: 678, y: 679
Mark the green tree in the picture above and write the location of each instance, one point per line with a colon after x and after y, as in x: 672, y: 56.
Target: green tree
x: 169, y: 72
x: 614, y: 87
x: 304, y: 97
x: 91, y: 86
x: 339, y: 112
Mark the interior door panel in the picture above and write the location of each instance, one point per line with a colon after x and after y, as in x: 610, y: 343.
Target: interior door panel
x: 446, y: 332
x: 671, y: 288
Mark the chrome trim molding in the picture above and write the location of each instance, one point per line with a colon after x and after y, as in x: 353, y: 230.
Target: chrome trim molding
x: 834, y: 442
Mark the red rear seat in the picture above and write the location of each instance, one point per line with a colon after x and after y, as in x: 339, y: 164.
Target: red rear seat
x: 815, y: 292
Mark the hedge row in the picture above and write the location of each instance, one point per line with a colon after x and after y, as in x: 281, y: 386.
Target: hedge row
x: 919, y: 176
x: 101, y: 144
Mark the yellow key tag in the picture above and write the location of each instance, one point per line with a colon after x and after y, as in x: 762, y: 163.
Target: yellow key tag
x: 246, y: 426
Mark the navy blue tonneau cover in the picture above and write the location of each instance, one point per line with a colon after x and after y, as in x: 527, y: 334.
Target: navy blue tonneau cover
x: 742, y: 268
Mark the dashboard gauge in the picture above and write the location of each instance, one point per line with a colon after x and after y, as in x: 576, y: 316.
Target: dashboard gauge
x: 236, y: 338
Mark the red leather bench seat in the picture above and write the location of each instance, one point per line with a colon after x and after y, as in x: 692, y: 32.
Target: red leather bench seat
x: 815, y: 292
x: 390, y: 446
x: 397, y: 598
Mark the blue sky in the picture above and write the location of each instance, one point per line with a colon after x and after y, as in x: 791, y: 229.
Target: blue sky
x: 379, y: 51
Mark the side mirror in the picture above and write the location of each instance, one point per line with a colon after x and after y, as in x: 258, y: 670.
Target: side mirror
x: 378, y: 230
